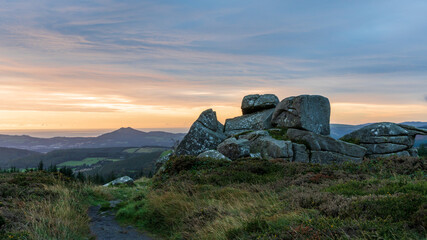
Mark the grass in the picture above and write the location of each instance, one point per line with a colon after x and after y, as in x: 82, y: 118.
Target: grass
x: 244, y: 199
x: 259, y: 199
x: 41, y: 205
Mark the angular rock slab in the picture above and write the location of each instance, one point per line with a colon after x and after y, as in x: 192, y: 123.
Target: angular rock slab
x: 254, y: 135
x: 386, y: 155
x: 249, y: 122
x: 316, y: 142
x: 255, y: 102
x: 383, y: 148
x: 213, y: 154
x: 301, y: 153
x: 325, y: 149
x: 205, y: 134
x: 384, y: 132
x: 234, y: 149
x: 271, y: 148
x: 309, y: 112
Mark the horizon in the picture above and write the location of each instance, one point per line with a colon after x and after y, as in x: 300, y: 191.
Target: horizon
x: 159, y: 64
x: 49, y: 133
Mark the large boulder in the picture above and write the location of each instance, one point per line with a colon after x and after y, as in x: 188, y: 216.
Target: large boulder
x: 249, y: 122
x: 385, y: 139
x: 325, y: 149
x: 205, y: 134
x: 234, y: 148
x: 271, y: 148
x: 255, y: 102
x: 213, y: 154
x: 308, y: 112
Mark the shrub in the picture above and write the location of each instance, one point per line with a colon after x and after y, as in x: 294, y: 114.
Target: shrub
x: 350, y: 188
x: 396, y: 207
x: 2, y: 222
x: 419, y: 219
x: 218, y: 172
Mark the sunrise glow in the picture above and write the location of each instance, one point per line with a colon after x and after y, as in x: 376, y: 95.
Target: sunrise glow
x: 65, y: 65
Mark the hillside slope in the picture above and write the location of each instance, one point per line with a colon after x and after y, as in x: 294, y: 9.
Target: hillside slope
x: 9, y: 155
x: 123, y: 137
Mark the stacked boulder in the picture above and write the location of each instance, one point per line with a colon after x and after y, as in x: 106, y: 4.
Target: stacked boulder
x: 257, y: 113
x: 385, y: 139
x: 296, y: 129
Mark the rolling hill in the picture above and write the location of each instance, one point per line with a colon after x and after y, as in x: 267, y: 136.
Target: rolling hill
x: 9, y: 155
x: 123, y: 137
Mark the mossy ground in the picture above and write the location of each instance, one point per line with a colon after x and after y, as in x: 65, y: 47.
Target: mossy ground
x: 258, y: 199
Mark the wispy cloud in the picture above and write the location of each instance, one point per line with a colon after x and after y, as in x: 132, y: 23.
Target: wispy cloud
x: 153, y: 57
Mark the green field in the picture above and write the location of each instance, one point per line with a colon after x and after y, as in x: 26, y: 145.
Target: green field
x: 88, y: 161
x: 166, y: 153
x: 142, y: 150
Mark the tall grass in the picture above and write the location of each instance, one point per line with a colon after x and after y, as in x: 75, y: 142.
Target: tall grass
x: 45, y: 206
x: 257, y: 199
x: 62, y: 215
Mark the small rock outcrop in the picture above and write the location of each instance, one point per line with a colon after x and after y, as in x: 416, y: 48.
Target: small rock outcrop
x: 385, y: 139
x: 205, y: 134
x: 123, y: 180
x: 213, y: 154
x: 325, y: 149
x: 308, y: 112
x: 255, y: 103
x: 249, y: 122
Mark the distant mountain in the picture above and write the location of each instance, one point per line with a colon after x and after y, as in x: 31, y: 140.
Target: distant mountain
x: 339, y: 130
x: 8, y: 155
x: 123, y: 137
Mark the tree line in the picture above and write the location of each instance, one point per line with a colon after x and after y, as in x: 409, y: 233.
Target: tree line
x: 68, y: 171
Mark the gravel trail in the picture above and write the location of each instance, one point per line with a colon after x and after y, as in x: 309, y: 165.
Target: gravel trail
x: 105, y: 227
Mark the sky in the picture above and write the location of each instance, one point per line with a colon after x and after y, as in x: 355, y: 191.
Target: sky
x: 158, y: 64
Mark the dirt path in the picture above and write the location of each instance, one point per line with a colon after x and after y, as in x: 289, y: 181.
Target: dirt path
x: 105, y: 227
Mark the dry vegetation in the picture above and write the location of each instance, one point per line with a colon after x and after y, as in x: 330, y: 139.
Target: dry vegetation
x: 42, y: 206
x: 258, y: 199
x: 244, y: 199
